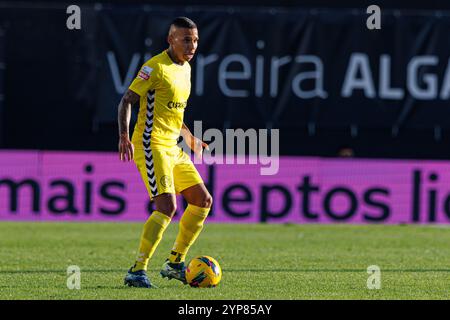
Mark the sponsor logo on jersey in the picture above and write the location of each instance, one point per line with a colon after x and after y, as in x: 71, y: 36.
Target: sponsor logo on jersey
x: 176, y: 105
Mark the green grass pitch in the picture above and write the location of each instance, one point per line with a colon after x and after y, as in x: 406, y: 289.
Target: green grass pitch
x: 258, y: 261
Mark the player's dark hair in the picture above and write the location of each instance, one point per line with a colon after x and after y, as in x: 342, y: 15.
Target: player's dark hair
x: 184, y: 22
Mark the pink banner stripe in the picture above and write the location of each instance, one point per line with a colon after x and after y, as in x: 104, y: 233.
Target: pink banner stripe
x: 94, y: 186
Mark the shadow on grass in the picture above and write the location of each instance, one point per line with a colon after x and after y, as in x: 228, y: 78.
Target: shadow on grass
x: 63, y: 272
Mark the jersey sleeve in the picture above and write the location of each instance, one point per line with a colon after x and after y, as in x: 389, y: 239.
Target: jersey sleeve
x: 147, y: 79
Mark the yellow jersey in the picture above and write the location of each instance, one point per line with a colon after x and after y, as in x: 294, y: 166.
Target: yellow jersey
x: 164, y: 88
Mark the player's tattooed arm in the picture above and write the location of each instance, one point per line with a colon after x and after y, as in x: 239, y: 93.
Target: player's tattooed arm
x: 128, y: 100
x: 126, y: 149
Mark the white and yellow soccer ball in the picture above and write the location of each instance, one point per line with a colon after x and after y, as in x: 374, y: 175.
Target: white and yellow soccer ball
x: 203, y: 272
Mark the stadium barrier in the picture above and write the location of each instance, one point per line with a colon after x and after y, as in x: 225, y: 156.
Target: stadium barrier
x: 93, y: 186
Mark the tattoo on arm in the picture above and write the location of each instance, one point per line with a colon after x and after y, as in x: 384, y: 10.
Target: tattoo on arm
x: 124, y: 111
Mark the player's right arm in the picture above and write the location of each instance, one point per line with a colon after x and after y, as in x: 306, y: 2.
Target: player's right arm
x: 126, y: 148
x: 146, y: 79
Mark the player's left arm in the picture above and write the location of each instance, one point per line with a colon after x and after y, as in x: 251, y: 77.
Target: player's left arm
x: 193, y: 142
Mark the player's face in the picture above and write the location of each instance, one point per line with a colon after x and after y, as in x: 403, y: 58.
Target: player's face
x: 184, y: 43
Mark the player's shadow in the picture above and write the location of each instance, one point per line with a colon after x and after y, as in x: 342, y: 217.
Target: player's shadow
x: 62, y: 272
x: 297, y: 270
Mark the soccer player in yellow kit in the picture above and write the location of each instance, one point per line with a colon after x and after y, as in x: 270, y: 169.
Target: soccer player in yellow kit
x: 162, y: 88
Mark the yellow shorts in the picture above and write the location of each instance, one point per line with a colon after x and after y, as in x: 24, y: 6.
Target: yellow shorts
x: 166, y: 170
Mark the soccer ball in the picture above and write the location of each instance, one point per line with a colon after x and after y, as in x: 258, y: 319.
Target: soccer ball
x: 203, y: 272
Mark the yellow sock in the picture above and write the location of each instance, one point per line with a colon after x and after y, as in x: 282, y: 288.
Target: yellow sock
x: 191, y: 223
x: 150, y: 238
